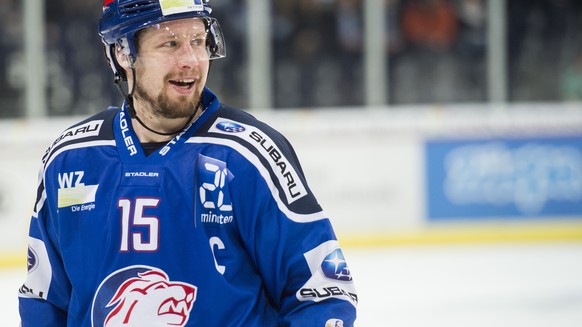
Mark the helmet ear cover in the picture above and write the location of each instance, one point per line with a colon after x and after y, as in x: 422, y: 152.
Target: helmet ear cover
x: 118, y: 71
x: 125, y: 47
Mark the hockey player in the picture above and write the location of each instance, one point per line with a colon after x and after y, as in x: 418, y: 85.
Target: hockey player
x: 176, y: 210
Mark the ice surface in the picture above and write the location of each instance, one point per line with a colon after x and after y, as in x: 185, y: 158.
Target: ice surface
x: 471, y: 285
x: 518, y: 284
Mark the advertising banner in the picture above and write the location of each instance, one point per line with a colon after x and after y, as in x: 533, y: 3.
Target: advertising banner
x: 504, y: 178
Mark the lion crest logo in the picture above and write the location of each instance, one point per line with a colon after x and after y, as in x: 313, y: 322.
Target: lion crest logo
x: 142, y: 296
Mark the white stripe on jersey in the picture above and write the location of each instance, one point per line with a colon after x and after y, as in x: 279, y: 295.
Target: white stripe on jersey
x: 284, y: 171
x: 251, y: 157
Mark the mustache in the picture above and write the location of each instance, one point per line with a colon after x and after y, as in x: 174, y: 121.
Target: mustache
x: 182, y: 75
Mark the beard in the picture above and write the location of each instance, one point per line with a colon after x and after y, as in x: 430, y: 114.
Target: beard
x: 163, y: 106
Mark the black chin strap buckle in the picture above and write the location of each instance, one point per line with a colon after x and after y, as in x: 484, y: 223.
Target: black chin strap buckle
x: 128, y: 97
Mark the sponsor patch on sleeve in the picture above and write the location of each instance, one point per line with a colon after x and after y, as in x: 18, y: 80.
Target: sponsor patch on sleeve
x: 91, y: 128
x: 286, y: 175
x: 330, y: 275
x: 39, y: 271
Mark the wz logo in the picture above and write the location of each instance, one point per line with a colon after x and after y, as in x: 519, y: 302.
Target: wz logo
x: 71, y: 179
x: 142, y: 296
x: 74, y: 193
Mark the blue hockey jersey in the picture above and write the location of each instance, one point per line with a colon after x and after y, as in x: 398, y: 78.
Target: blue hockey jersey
x: 216, y: 228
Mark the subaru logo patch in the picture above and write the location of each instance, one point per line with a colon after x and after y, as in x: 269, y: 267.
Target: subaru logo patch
x: 230, y: 127
x: 334, y: 266
x: 32, y: 261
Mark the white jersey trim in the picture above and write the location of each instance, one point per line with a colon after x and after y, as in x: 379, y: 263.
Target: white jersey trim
x: 288, y: 177
x: 37, y: 284
x: 252, y: 158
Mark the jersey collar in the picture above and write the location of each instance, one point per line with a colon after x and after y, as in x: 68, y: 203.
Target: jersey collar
x: 129, y: 146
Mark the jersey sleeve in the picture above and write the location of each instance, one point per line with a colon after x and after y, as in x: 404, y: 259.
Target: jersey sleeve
x: 45, y: 295
x: 305, y: 271
x: 292, y: 241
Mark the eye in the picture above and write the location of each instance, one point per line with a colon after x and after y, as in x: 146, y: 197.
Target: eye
x: 170, y: 44
x: 198, y: 42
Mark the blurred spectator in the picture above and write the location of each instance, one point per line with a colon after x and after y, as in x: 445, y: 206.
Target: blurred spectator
x: 394, y: 43
x: 436, y: 53
x: 349, y: 26
x: 471, y: 49
x: 306, y: 45
x: 78, y: 80
x: 228, y: 77
x: 536, y: 31
x: 286, y: 79
x: 571, y: 81
x: 12, y: 65
x: 350, y: 37
x: 427, y: 72
x: 430, y: 24
x: 305, y: 73
x: 472, y: 28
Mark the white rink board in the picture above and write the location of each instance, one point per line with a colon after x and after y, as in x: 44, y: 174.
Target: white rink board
x: 22, y: 145
x: 364, y: 165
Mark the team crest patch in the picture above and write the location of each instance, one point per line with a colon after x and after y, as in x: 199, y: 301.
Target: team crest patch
x: 139, y: 296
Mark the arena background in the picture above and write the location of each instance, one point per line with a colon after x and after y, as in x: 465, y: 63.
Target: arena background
x: 450, y: 167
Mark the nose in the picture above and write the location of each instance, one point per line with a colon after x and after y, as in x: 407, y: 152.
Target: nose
x: 187, y: 57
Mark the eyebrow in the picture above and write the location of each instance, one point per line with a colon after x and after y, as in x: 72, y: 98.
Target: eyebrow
x: 163, y: 33
x: 173, y: 35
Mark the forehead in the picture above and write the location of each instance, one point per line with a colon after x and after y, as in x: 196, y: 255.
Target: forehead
x: 182, y: 27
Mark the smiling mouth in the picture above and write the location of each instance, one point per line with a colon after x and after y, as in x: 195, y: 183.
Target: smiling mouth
x: 185, y: 84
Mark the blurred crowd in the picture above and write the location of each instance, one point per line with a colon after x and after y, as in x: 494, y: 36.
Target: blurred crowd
x: 435, y: 50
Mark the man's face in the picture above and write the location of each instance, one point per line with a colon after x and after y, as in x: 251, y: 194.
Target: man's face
x: 171, y: 67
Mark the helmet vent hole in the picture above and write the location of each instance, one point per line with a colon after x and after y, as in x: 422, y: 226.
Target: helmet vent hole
x: 137, y: 6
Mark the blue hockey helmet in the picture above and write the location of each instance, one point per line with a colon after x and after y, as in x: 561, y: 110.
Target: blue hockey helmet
x: 122, y: 19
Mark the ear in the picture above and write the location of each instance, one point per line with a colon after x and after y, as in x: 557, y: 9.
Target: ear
x: 122, y: 57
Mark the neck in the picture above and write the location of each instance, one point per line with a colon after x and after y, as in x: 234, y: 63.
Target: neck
x: 153, y: 128
x: 160, y: 130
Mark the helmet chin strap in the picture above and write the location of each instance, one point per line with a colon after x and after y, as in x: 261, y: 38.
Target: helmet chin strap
x: 131, y: 110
